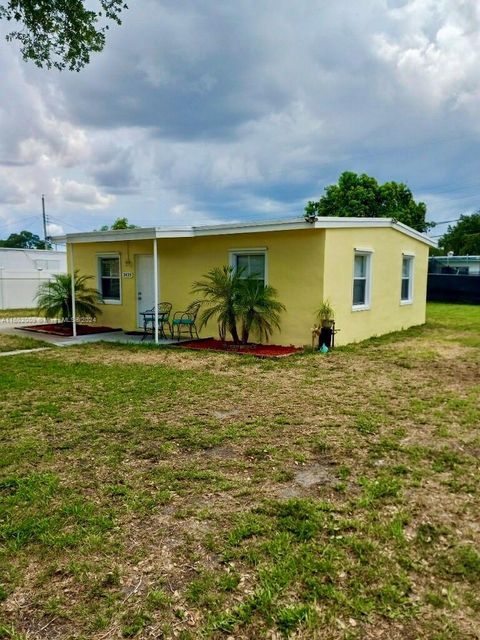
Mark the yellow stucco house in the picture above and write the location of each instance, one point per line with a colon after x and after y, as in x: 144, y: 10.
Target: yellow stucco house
x: 373, y: 271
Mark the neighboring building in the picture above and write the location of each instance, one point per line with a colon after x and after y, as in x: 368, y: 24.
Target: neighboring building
x: 454, y: 279
x: 372, y: 270
x: 21, y: 272
x: 455, y: 265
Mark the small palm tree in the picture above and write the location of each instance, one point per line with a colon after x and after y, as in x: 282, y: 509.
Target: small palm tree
x: 259, y: 310
x: 220, y: 288
x: 54, y: 298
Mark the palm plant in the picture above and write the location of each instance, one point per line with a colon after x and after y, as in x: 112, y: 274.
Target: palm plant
x: 232, y: 297
x: 54, y: 298
x: 258, y: 309
x: 220, y: 288
x: 326, y: 314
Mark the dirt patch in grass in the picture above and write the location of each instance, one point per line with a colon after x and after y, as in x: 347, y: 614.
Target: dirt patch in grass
x: 307, y: 480
x: 151, y: 355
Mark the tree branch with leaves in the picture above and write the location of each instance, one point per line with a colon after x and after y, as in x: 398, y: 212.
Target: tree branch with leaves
x: 60, y: 33
x: 360, y: 196
x: 464, y: 237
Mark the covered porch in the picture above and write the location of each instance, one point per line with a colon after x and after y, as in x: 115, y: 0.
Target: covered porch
x: 126, y: 268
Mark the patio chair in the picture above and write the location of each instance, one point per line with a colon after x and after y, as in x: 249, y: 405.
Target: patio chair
x: 164, y: 310
x: 184, y: 321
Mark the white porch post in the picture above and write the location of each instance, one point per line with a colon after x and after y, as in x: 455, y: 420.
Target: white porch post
x: 72, y: 271
x: 155, y: 284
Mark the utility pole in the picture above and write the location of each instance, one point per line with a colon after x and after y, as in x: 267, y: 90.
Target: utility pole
x: 44, y: 221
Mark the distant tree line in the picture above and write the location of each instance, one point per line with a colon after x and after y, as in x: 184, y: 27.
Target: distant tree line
x: 464, y: 237
x: 24, y: 240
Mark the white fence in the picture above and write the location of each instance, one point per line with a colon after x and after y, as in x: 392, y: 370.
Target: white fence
x: 19, y: 293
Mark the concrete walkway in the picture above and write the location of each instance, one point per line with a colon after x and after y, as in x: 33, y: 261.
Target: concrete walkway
x: 62, y: 341
x: 20, y: 351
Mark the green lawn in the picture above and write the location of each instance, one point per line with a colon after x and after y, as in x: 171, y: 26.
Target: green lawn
x: 153, y: 493
x: 16, y: 343
x: 19, y: 313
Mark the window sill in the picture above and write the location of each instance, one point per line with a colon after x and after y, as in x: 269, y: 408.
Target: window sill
x: 360, y: 307
x: 405, y: 302
x: 112, y: 301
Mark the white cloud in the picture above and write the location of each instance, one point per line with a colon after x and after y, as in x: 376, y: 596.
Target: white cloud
x: 74, y: 192
x: 54, y: 229
x: 435, y: 50
x: 227, y: 111
x: 11, y: 193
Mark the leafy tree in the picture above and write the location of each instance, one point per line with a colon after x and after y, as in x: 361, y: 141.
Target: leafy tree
x: 61, y: 33
x: 220, y: 289
x: 258, y: 309
x: 464, y: 237
x: 54, y: 298
x: 24, y: 240
x: 120, y: 223
x: 361, y: 196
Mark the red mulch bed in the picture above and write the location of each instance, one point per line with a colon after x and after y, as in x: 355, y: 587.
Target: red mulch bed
x: 259, y: 350
x: 66, y: 330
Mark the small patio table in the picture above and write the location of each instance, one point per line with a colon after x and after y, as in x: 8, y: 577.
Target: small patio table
x: 149, y: 318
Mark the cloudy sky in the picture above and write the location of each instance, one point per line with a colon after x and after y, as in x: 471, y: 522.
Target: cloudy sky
x: 210, y: 110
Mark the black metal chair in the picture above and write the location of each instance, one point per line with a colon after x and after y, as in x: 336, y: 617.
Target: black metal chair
x: 164, y: 310
x: 184, y: 321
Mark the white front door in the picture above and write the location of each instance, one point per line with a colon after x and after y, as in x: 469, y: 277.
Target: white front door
x: 145, y: 286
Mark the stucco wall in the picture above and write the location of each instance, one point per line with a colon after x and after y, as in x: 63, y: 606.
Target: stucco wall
x: 386, y: 313
x: 294, y: 264
x: 85, y: 259
x: 305, y: 266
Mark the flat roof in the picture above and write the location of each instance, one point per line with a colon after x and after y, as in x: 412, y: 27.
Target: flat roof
x: 293, y: 224
x: 456, y: 258
x: 39, y: 251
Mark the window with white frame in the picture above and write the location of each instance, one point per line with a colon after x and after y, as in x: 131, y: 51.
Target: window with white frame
x: 250, y: 264
x: 361, y: 280
x: 109, y: 278
x: 406, y: 294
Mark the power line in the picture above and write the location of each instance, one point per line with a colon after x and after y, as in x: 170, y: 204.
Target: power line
x: 445, y: 221
x: 62, y: 222
x: 16, y: 222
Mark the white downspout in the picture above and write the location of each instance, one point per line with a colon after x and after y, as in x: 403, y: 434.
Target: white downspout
x: 155, y: 284
x: 72, y: 271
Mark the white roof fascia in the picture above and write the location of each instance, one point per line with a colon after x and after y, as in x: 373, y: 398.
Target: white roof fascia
x: 335, y: 222
x: 107, y: 236
x: 252, y: 227
x: 242, y: 227
x: 338, y: 223
x: 40, y: 252
x: 413, y: 233
x: 183, y: 232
